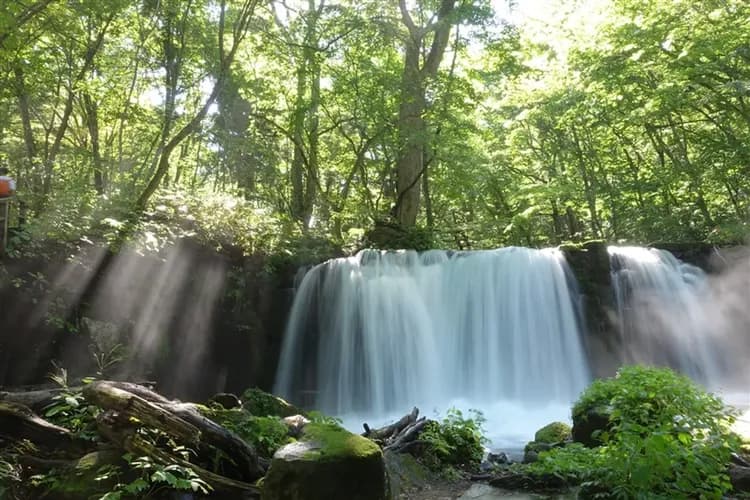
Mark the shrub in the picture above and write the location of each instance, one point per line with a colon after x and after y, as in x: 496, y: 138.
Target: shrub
x: 455, y: 442
x: 668, y: 438
x: 266, y: 434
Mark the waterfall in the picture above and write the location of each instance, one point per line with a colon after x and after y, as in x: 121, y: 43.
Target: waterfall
x: 379, y: 332
x: 662, y: 314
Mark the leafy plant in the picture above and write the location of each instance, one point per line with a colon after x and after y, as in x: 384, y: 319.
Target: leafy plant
x: 668, y: 439
x: 267, y: 434
x: 69, y: 409
x: 456, y: 441
x: 318, y: 417
x: 153, y: 477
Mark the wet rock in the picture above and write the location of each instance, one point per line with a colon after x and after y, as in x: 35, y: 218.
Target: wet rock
x: 498, y: 458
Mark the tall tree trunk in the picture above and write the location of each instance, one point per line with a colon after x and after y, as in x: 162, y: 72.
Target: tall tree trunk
x: 411, y: 136
x: 412, y: 132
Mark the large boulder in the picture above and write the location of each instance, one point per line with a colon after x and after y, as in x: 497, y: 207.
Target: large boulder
x: 327, y: 463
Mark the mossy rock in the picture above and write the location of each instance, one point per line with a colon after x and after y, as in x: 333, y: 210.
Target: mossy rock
x: 263, y: 404
x: 327, y: 463
x: 555, y: 432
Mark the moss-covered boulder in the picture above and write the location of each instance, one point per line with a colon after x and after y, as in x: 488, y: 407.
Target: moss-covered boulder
x: 546, y: 438
x: 327, y: 463
x: 555, y: 432
x: 263, y: 404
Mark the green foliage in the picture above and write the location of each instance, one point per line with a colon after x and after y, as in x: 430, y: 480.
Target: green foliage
x: 668, y: 439
x: 456, y: 441
x: 266, y: 433
x: 69, y: 409
x: 573, y: 463
x: 391, y: 236
x: 320, y: 418
x: 151, y: 478
x: 261, y: 403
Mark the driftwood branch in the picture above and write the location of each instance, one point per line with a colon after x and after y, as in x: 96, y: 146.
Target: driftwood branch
x: 399, y: 436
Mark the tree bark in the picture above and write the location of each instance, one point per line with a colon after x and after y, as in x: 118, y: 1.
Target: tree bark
x: 411, y: 125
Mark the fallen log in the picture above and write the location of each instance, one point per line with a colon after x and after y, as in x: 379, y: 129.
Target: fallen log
x: 36, y: 400
x: 181, y: 421
x: 112, y: 426
x: 18, y: 422
x: 215, y: 437
x: 110, y: 397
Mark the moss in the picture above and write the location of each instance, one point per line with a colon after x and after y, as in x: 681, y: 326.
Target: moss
x: 266, y: 434
x: 553, y: 433
x: 337, y: 442
x: 263, y: 404
x: 328, y: 463
x: 571, y: 246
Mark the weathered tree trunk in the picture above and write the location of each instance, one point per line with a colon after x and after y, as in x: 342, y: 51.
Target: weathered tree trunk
x: 18, y: 422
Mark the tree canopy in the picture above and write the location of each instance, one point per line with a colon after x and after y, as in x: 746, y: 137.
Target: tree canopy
x: 262, y: 121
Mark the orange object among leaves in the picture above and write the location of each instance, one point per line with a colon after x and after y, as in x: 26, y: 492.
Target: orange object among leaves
x: 5, y: 188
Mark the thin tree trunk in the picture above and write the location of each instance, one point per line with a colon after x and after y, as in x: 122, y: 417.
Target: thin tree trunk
x: 92, y: 123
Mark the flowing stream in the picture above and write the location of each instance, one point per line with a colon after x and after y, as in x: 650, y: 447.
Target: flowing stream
x: 372, y: 335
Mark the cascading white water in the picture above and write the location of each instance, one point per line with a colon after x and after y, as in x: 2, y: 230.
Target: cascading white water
x: 383, y: 331
x: 661, y: 305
